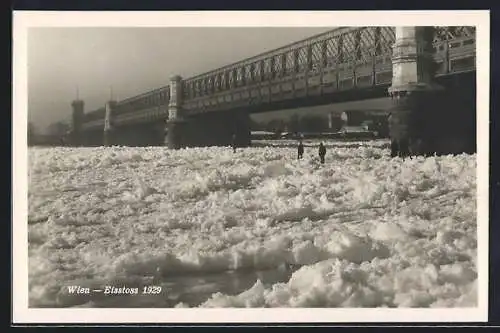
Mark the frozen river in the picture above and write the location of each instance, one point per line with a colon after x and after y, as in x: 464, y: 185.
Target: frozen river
x: 253, y: 229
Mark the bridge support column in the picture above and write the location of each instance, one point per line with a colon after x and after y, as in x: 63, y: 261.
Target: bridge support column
x: 77, y: 120
x: 176, y: 136
x: 415, y: 96
x: 108, y: 124
x: 176, y: 123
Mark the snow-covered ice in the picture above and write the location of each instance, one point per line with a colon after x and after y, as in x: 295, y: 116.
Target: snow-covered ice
x: 253, y: 229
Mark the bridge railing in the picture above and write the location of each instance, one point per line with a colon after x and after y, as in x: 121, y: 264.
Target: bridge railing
x: 155, y: 101
x: 347, y: 45
x: 455, y: 49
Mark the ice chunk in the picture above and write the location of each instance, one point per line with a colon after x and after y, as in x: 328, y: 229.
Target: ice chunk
x: 388, y: 232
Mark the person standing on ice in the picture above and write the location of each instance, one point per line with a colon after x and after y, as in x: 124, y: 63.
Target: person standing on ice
x: 322, y: 153
x: 233, y: 143
x: 398, y: 132
x: 300, y: 150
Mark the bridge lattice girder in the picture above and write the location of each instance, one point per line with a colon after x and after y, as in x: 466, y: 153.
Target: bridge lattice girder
x: 347, y: 57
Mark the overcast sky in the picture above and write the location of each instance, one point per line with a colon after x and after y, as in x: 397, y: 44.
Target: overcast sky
x: 131, y: 60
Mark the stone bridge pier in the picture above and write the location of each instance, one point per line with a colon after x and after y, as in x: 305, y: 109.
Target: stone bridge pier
x: 428, y: 117
x: 206, y: 129
x: 109, y: 135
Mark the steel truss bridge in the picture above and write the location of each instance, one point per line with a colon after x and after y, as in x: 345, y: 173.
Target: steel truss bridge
x: 344, y: 63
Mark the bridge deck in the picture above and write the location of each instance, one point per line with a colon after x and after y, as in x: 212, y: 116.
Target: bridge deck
x: 338, y: 65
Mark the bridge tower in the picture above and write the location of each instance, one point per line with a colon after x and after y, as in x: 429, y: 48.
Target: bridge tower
x: 108, y: 123
x: 76, y: 121
x: 414, y: 93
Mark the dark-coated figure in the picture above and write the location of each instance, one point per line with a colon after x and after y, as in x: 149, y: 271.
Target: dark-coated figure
x: 399, y: 135
x: 233, y: 143
x: 322, y: 153
x: 300, y: 150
